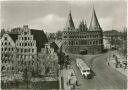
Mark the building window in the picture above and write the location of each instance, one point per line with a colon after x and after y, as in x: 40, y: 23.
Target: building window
x: 5, y: 38
x: 25, y: 33
x: 31, y: 44
x: 12, y: 68
x: 9, y: 43
x: 18, y: 62
x: 17, y: 50
x: 1, y: 49
x: 3, y: 68
x: 25, y: 50
x: 5, y: 43
x: 12, y: 55
x: 12, y: 49
x: 5, y: 49
x: 29, y: 62
x: 24, y: 62
x: 8, y: 49
x: 21, y: 50
x: 32, y: 62
x: 29, y: 50
x: 25, y: 44
x: 25, y: 38
x: 32, y: 50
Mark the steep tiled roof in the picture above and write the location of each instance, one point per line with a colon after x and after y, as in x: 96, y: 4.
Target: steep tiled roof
x: 70, y: 23
x: 13, y: 36
x: 40, y: 37
x: 94, y: 24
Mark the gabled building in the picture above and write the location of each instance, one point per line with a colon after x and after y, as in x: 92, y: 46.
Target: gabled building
x: 8, y: 53
x: 28, y: 45
x: 82, y: 40
x: 19, y: 51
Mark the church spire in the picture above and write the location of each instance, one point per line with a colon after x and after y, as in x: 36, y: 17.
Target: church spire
x: 69, y: 23
x: 94, y: 25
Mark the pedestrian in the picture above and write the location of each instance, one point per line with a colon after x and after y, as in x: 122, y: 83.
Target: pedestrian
x: 73, y: 86
x: 108, y: 63
x: 76, y: 82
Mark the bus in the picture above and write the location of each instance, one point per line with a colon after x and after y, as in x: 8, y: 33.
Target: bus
x: 84, y: 69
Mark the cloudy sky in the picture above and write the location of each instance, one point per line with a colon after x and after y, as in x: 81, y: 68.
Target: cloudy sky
x: 51, y: 15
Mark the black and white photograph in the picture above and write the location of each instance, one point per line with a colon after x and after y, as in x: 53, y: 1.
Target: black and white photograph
x: 63, y: 44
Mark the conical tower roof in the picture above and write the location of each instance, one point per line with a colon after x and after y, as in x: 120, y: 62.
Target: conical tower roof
x: 94, y: 25
x: 70, y: 23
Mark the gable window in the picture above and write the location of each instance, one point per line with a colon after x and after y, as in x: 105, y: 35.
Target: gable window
x: 8, y: 49
x: 12, y: 49
x: 25, y: 33
x: 29, y: 50
x: 32, y: 50
x: 5, y: 43
x: 3, y: 68
x: 21, y: 50
x: 5, y: 38
x: 5, y: 49
x: 5, y: 55
x: 25, y: 44
x: 25, y: 50
x: 12, y: 68
x: 25, y: 38
x: 31, y: 44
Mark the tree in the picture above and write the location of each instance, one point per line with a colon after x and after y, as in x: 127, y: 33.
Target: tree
x: 59, y: 35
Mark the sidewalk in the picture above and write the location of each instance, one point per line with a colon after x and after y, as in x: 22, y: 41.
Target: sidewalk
x: 112, y: 62
x: 121, y: 70
x: 66, y: 73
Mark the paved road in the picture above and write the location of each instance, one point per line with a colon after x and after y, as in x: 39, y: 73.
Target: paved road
x: 105, y: 77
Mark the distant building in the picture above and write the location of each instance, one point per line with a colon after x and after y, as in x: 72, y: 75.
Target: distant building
x: 17, y: 30
x: 59, y: 35
x: 48, y: 61
x: 112, y: 34
x: 109, y: 37
x: 82, y: 40
x: 106, y: 42
x: 51, y: 37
